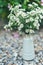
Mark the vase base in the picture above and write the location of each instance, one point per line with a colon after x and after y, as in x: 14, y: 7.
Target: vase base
x: 29, y: 59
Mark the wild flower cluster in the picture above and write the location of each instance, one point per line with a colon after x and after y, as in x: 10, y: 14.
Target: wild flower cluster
x: 25, y: 21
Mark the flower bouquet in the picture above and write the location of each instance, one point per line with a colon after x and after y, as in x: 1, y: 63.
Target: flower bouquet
x: 25, y: 22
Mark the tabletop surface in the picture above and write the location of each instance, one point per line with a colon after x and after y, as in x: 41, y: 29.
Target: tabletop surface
x: 11, y: 50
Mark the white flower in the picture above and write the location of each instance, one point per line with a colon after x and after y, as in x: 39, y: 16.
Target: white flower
x: 18, y: 23
x: 22, y: 9
x: 32, y: 13
x: 9, y: 6
x: 42, y: 11
x: 5, y: 26
x: 39, y: 8
x: 10, y: 23
x: 27, y: 20
x: 17, y: 6
x: 30, y: 26
x: 37, y: 27
x: 40, y: 21
x: 31, y: 19
x: 35, y: 4
x: 41, y: 16
x: 35, y: 23
x: 30, y: 5
x: 27, y: 30
x: 38, y: 24
x: 17, y: 19
x: 37, y: 17
x: 12, y: 17
x: 20, y: 27
x: 31, y: 31
x: 21, y: 13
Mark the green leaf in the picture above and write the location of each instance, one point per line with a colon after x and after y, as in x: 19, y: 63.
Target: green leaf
x: 1, y: 10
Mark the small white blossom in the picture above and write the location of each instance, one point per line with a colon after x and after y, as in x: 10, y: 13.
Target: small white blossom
x: 5, y: 26
x: 21, y: 25
x: 41, y: 16
x: 9, y: 6
x: 35, y: 4
x: 17, y: 6
x: 12, y: 17
x: 32, y: 13
x: 19, y: 28
x: 17, y: 19
x: 35, y: 24
x: 27, y: 30
x: 21, y: 13
x: 30, y: 26
x: 27, y: 20
x: 31, y: 31
x: 30, y: 5
x: 37, y: 28
x: 31, y: 19
x: 36, y: 21
x: 37, y: 17
x: 9, y: 24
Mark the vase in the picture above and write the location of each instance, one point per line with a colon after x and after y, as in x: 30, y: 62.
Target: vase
x: 28, y: 48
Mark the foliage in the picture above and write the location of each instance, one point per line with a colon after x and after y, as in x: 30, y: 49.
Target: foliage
x: 4, y: 5
x: 3, y: 8
x: 25, y: 21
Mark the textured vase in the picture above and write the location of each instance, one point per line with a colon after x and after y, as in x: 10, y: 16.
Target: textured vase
x: 28, y: 48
